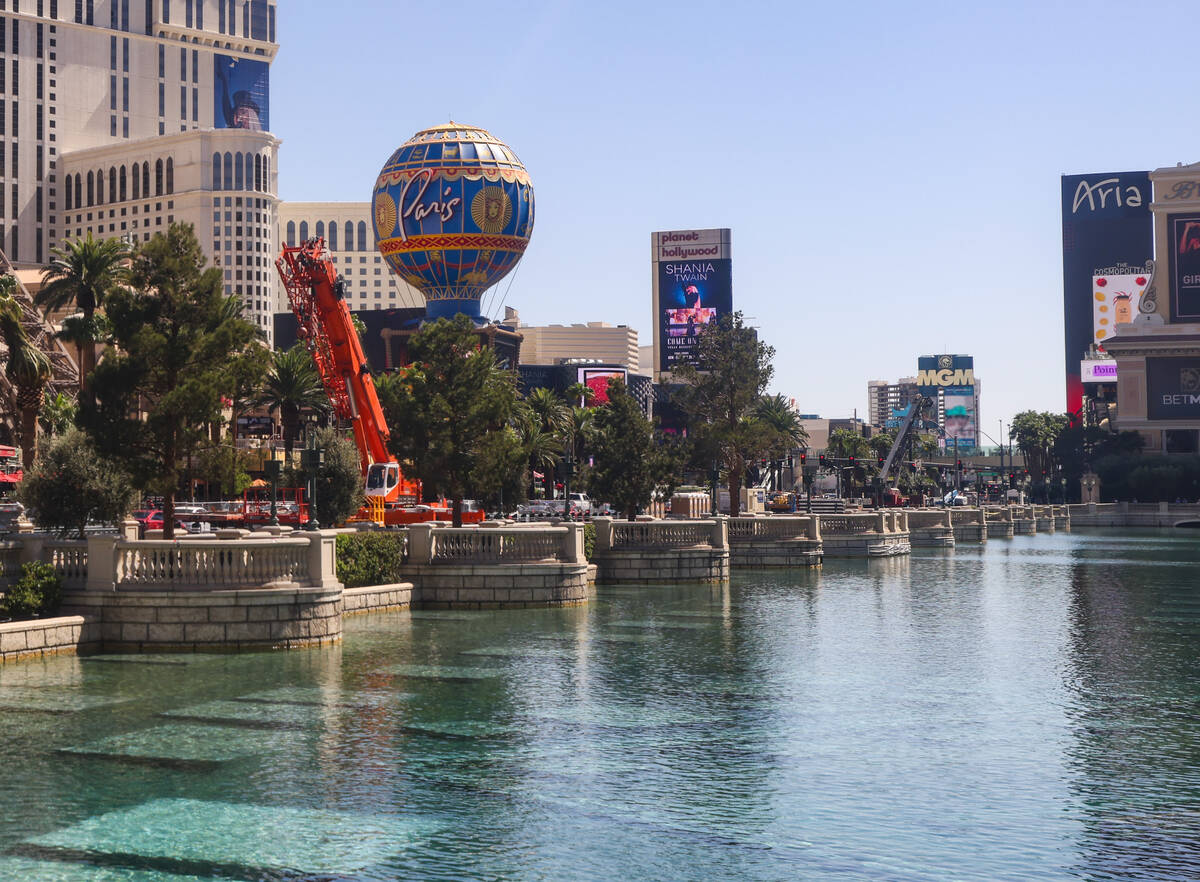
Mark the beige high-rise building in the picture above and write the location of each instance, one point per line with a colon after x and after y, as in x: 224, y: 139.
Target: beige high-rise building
x: 349, y: 236
x: 121, y: 117
x: 608, y: 344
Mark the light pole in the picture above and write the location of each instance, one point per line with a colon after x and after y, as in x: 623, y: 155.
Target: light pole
x: 271, y: 467
x: 311, y: 459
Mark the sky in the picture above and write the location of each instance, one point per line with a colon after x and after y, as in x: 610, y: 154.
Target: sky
x: 890, y: 172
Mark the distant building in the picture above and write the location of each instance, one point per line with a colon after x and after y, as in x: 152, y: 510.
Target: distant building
x: 887, y: 402
x: 605, y: 343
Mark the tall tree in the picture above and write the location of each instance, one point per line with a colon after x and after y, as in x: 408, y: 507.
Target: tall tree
x: 1036, y: 433
x: 292, y: 386
x: 445, y: 404
x: 843, y: 444
x: 179, y: 346
x: 82, y: 271
x: 630, y: 463
x: 721, y: 400
x: 26, y: 366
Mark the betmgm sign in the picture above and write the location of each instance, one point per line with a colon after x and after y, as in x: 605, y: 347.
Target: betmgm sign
x: 937, y: 373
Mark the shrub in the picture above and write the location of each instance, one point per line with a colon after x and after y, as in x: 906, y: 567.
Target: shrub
x: 70, y: 485
x: 37, y: 592
x: 370, y: 558
x: 339, y: 480
x: 589, y: 541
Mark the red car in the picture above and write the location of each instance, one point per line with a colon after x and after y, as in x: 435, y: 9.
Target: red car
x: 152, y: 519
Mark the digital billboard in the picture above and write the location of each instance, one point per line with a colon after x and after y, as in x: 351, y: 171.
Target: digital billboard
x: 1115, y: 299
x: 241, y: 94
x: 692, y: 294
x: 959, y: 423
x: 597, y: 379
x: 1097, y: 371
x: 1173, y: 388
x: 937, y: 373
x: 1185, y: 266
x: 1108, y: 231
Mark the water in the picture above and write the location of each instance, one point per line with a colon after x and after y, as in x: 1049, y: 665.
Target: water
x: 1027, y: 709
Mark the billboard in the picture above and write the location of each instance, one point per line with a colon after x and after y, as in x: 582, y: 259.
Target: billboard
x: 1185, y: 266
x: 597, y: 379
x: 692, y: 294
x: 937, y: 373
x: 693, y: 287
x: 1115, y: 299
x: 960, y: 423
x: 1173, y: 388
x: 241, y: 94
x: 1094, y: 370
x: 1107, y: 232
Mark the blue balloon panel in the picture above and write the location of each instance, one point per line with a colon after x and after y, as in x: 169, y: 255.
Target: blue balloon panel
x: 453, y: 212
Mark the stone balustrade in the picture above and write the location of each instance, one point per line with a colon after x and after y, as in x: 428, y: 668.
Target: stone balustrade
x: 931, y: 528
x: 429, y: 545
x: 1024, y: 520
x: 870, y: 534
x: 999, y: 522
x: 777, y: 541
x: 662, y: 550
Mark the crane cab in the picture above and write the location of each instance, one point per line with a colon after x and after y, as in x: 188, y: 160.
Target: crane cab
x: 383, y: 478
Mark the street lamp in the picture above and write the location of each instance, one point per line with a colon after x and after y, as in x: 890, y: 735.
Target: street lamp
x: 568, y: 470
x: 272, y: 467
x: 311, y: 459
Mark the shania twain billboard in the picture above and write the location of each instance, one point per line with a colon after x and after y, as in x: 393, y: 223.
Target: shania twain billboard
x: 693, y: 287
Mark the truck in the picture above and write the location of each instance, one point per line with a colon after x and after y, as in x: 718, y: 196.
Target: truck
x: 892, y: 498
x: 317, y: 296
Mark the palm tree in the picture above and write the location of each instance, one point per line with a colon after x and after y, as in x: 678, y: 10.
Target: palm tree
x: 581, y: 395
x: 293, y: 385
x: 27, y: 368
x: 542, y: 448
x: 82, y: 272
x: 552, y: 417
x: 57, y: 415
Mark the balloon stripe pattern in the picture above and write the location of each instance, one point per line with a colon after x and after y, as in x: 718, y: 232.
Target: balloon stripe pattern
x: 453, y: 213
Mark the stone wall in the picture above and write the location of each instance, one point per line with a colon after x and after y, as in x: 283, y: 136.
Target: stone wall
x: 647, y: 566
x: 377, y: 598
x: 499, y: 586
x: 208, y: 621
x: 41, y: 637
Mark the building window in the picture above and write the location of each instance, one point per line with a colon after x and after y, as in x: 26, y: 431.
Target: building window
x: 303, y: 231
x: 146, y: 179
x: 166, y: 11
x: 122, y: 185
x: 221, y: 16
x: 333, y: 228
x: 162, y: 61
x: 170, y: 175
x: 228, y: 167
x: 291, y: 234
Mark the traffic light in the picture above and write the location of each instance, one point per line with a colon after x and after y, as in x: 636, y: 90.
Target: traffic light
x: 822, y: 461
x: 958, y: 464
x: 804, y: 458
x: 852, y: 460
x: 880, y: 462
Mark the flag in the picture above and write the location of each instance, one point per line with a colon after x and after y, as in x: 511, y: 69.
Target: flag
x: 538, y: 475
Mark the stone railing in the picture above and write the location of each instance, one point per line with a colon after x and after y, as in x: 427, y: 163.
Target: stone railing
x: 774, y: 528
x: 69, y: 557
x: 926, y: 518
x: 504, y: 545
x: 10, y: 561
x: 210, y: 565
x: 641, y: 535
x: 966, y: 516
x: 849, y: 524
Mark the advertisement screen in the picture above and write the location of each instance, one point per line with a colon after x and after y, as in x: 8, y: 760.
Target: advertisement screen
x: 1107, y: 231
x: 1115, y: 300
x: 692, y: 295
x: 1185, y: 266
x: 242, y: 94
x: 937, y: 373
x: 960, y: 419
x: 597, y: 379
x: 1173, y: 388
x: 1095, y: 371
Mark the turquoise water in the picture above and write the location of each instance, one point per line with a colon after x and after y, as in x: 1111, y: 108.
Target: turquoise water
x: 1027, y: 709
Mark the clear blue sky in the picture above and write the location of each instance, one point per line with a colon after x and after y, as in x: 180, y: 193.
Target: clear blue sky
x: 890, y: 171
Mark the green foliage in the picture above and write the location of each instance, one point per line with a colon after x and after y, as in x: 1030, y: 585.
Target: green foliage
x: 589, y: 541
x: 37, y: 592
x: 1035, y: 434
x: 1148, y: 478
x: 225, y: 466
x: 292, y: 385
x: 444, y: 405
x: 498, y: 478
x: 57, y: 414
x: 70, y: 485
x: 370, y: 558
x: 340, y: 491
x: 723, y: 401
x: 180, y: 346
x: 630, y: 464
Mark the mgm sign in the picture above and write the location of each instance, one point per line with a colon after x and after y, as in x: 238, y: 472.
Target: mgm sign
x: 936, y: 373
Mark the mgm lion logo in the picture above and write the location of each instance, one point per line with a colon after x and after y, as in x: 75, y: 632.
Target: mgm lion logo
x: 945, y: 362
x: 1189, y: 380
x: 491, y: 209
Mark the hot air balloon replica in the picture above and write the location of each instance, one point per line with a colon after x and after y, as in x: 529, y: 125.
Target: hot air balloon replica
x: 453, y: 212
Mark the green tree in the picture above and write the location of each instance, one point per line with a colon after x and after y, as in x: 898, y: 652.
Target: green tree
x: 26, y: 367
x: 1036, y: 434
x: 225, y: 466
x: 179, y: 347
x: 451, y: 396
x: 71, y: 484
x: 542, y: 448
x: 843, y: 444
x: 553, y: 417
x: 722, y: 400
x: 82, y: 271
x: 292, y: 385
x: 57, y: 415
x: 630, y: 463
x: 340, y: 491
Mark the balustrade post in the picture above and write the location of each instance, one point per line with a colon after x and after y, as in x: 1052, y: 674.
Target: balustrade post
x: 420, y: 543
x: 604, y: 534
x: 814, y: 527
x: 322, y: 559
x: 719, y: 537
x: 902, y: 521
x: 571, y: 549
x: 32, y: 547
x: 103, y: 563
x: 129, y: 530
x: 880, y: 522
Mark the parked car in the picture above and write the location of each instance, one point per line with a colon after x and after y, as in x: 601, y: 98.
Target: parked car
x: 10, y: 513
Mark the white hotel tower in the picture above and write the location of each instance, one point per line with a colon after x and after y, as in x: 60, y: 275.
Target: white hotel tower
x: 120, y: 117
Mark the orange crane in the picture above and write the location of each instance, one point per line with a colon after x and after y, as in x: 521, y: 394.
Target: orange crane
x: 324, y: 325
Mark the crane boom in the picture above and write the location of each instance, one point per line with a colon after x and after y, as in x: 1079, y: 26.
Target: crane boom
x: 325, y: 326
x: 901, y: 436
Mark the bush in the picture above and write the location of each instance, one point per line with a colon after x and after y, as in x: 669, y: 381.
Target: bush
x: 589, y: 541
x: 38, y: 592
x: 70, y: 485
x: 339, y: 481
x: 370, y: 558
